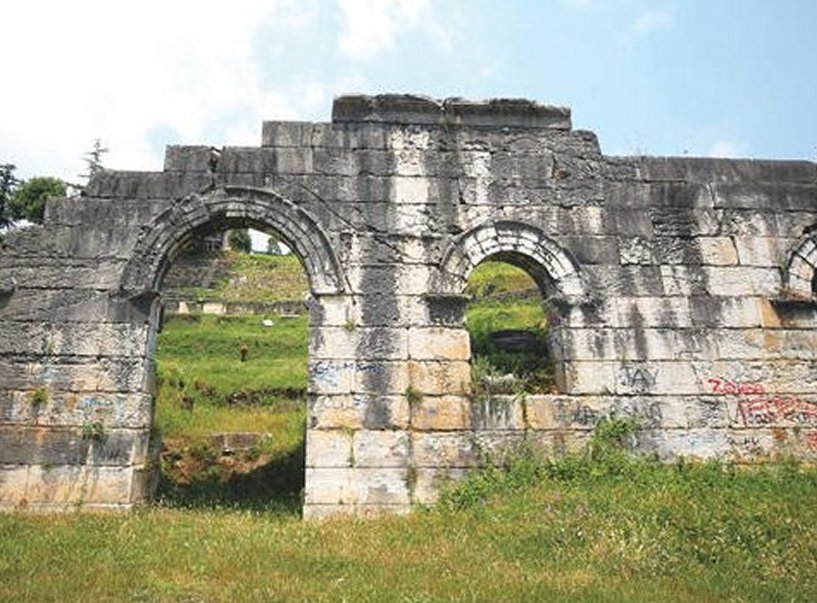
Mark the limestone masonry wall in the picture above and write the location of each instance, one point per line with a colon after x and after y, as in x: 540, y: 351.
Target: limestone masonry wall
x: 683, y: 292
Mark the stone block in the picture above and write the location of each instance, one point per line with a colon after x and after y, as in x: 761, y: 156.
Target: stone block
x: 726, y: 312
x: 329, y: 486
x: 74, y: 374
x: 71, y: 409
x: 179, y: 158
x: 13, y: 485
x: 543, y: 412
x: 683, y: 280
x: 293, y: 160
x: 63, y: 485
x: 72, y: 446
x: 381, y: 486
x: 497, y: 447
x: 439, y: 343
x: 331, y: 311
x: 762, y: 251
x: 634, y: 343
x: 411, y: 279
x: 439, y: 377
x: 441, y: 413
x: 73, y: 339
x: 380, y: 448
x: 589, y: 377
x: 498, y: 413
x: 557, y: 443
x: 55, y: 274
x: 329, y: 448
x: 740, y: 281
x: 717, y: 251
x: 379, y: 377
x: 286, y: 134
x: 358, y: 412
x: 331, y: 377
x: 635, y: 312
x: 670, y: 444
x: 444, y: 449
x: 430, y: 481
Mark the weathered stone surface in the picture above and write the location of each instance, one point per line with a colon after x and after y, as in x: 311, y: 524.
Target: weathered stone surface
x: 430, y: 480
x: 75, y: 408
x: 380, y: 448
x: 439, y: 343
x: 441, y: 413
x: 444, y: 449
x: 679, y: 292
x: 326, y: 448
x: 359, y: 411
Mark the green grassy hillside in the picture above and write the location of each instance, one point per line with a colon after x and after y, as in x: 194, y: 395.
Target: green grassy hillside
x: 253, y: 277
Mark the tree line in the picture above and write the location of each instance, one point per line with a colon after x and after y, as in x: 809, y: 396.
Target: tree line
x: 25, y: 199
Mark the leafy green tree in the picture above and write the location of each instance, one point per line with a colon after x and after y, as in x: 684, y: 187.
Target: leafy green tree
x: 8, y: 183
x: 240, y: 240
x: 28, y: 200
x: 93, y: 159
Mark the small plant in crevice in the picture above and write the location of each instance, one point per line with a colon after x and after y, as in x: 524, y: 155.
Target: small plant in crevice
x: 411, y: 478
x: 40, y: 397
x: 93, y: 431
x: 414, y: 396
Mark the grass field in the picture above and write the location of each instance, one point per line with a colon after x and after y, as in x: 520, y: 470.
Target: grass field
x: 601, y: 526
x: 589, y: 528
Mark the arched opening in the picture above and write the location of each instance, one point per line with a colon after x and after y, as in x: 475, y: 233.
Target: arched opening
x: 231, y: 373
x: 508, y: 320
x: 517, y: 262
x: 227, y: 339
x: 801, y: 270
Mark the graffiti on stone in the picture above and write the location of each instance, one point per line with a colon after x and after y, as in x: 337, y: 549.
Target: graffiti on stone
x: 756, y: 406
x: 637, y: 378
x: 647, y: 414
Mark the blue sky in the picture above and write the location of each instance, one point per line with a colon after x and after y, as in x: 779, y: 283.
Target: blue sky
x: 662, y: 77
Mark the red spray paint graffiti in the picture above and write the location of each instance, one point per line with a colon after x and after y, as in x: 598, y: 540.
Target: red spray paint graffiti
x: 762, y: 408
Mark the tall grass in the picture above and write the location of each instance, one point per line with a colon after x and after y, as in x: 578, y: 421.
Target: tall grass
x: 602, y: 526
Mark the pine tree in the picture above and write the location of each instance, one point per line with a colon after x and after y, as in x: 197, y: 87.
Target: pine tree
x: 8, y: 184
x: 93, y: 160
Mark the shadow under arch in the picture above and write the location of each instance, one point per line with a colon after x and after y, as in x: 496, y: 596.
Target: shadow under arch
x: 231, y: 207
x: 522, y: 245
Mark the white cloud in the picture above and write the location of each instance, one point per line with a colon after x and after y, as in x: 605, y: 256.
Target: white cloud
x: 119, y: 71
x: 372, y: 27
x: 725, y: 148
x: 653, y: 19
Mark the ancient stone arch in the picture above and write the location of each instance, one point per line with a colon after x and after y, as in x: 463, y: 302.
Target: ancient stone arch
x: 231, y: 207
x: 684, y: 288
x: 801, y: 266
x: 517, y: 243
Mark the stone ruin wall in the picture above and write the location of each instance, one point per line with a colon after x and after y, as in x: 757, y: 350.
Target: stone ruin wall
x: 681, y: 292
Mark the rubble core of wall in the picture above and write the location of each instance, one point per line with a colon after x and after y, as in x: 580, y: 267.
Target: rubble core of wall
x: 682, y: 287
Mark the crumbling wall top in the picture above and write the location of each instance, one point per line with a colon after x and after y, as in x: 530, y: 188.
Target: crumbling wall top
x: 414, y: 109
